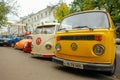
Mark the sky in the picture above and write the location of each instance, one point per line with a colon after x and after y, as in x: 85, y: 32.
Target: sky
x: 28, y: 6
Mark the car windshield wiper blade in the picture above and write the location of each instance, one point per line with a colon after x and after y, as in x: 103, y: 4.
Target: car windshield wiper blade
x: 83, y: 27
x: 61, y: 29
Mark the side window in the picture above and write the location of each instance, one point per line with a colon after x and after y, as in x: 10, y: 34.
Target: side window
x: 38, y: 31
x: 49, y: 30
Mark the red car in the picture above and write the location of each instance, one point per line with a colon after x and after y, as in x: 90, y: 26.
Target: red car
x: 27, y: 47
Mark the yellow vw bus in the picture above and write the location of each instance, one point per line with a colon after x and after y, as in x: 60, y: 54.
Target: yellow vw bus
x: 86, y: 40
x: 43, y: 42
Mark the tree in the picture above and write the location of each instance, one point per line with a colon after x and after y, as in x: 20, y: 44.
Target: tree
x: 4, y: 10
x: 61, y: 11
x: 76, y: 6
x: 111, y: 6
x: 13, y: 5
x: 6, y: 7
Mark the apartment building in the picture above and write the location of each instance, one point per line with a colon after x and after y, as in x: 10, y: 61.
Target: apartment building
x: 41, y: 17
x: 32, y: 21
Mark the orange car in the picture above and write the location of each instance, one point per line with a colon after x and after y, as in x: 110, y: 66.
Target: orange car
x: 20, y: 44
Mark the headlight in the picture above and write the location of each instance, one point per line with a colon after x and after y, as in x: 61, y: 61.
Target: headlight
x: 98, y: 49
x: 48, y: 46
x: 58, y: 47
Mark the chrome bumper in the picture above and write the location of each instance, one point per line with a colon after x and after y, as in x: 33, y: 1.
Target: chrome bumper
x: 82, y: 65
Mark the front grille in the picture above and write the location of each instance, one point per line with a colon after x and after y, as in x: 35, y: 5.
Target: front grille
x: 80, y: 37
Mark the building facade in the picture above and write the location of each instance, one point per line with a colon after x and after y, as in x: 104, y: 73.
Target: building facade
x: 41, y: 17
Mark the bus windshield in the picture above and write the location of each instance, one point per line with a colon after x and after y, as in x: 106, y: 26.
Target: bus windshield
x: 45, y: 30
x: 94, y: 20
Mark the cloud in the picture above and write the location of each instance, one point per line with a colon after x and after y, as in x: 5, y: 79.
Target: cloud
x: 29, y: 6
x: 32, y: 6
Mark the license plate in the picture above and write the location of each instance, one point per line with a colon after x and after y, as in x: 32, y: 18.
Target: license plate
x: 73, y: 64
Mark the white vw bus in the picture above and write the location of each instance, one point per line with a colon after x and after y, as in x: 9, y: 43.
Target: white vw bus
x: 43, y: 42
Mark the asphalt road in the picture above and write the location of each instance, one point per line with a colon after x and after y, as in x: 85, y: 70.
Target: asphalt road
x: 17, y: 65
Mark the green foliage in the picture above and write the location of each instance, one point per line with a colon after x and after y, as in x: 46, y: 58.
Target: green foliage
x: 4, y: 10
x: 85, y: 5
x: 7, y: 7
x: 76, y: 6
x: 61, y: 11
x: 111, y: 6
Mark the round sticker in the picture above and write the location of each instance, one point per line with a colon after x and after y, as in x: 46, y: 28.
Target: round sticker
x: 38, y: 41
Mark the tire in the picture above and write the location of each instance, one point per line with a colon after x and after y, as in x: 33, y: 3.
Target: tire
x: 110, y: 73
x: 12, y: 44
x: 1, y: 45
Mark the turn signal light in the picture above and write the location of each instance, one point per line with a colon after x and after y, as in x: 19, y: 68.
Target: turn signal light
x: 58, y: 38
x: 98, y: 37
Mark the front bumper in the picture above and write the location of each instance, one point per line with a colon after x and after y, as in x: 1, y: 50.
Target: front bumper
x: 82, y: 65
x: 43, y: 55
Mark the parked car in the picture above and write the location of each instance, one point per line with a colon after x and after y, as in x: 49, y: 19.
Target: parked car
x: 21, y: 43
x: 86, y: 40
x: 27, y: 47
x: 1, y: 40
x: 9, y: 40
x: 44, y: 40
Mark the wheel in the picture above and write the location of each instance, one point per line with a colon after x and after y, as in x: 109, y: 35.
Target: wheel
x: 12, y: 44
x: 110, y: 73
x: 1, y: 45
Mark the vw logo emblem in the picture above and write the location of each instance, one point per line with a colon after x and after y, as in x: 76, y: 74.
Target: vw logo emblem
x: 74, y: 46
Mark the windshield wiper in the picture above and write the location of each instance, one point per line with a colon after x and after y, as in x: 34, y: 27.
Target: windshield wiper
x: 83, y: 27
x: 62, y: 29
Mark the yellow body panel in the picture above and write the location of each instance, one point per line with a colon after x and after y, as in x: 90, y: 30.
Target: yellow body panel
x: 84, y: 52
